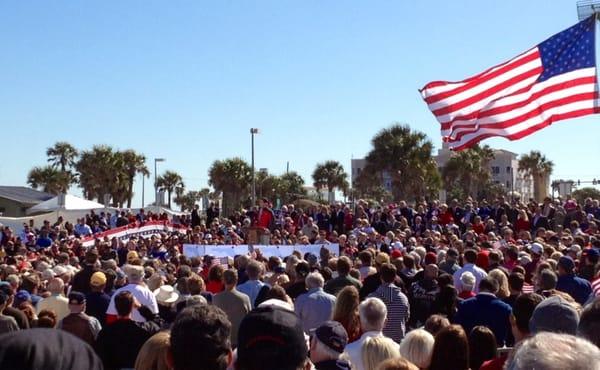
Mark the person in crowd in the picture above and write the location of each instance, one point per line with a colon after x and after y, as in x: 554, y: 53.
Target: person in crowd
x: 396, y: 302
x: 327, y: 345
x: 315, y: 306
x: 11, y: 311
x: 47, y: 319
x: 214, y: 284
x: 253, y: 286
x: 81, y: 280
x: 398, y: 363
x: 375, y: 350
x: 482, y: 346
x: 555, y: 314
x: 271, y: 338
x: 470, y: 257
x: 166, y: 297
x: 119, y: 342
x: 344, y: 265
x: 578, y: 288
x: 435, y: 323
x: 236, y: 305
x: 154, y: 354
x: 417, y: 348
x: 346, y: 312
x: 77, y: 322
x: 299, y: 287
x: 422, y: 295
x: 7, y: 323
x: 143, y: 295
x: 485, y: 309
x: 200, y: 339
x: 97, y: 301
x: 373, y: 313
x: 553, y: 351
x: 42, y: 348
x: 589, y: 322
x: 56, y: 302
x: 467, y: 284
x: 450, y: 350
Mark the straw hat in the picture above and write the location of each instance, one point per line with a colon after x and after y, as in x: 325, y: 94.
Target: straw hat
x: 166, y: 294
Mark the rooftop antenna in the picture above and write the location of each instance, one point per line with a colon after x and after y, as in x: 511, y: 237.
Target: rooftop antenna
x: 587, y: 8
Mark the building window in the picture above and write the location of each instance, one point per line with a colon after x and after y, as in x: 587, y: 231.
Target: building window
x: 508, y: 184
x: 508, y: 169
x: 495, y: 169
x: 358, y: 170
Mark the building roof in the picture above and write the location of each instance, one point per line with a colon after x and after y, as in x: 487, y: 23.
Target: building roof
x: 23, y: 194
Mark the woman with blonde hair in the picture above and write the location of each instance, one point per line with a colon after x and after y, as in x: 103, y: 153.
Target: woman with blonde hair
x: 417, y: 347
x: 502, y: 279
x: 153, y: 354
x: 345, y: 312
x: 375, y: 350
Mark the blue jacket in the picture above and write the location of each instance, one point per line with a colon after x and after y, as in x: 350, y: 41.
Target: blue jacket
x: 487, y: 310
x: 578, y: 288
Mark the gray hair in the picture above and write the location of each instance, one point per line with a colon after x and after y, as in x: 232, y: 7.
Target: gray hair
x: 547, y: 280
x: 314, y: 280
x: 372, y: 312
x: 551, y: 351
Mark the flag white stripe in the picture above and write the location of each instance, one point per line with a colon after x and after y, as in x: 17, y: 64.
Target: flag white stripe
x: 457, y: 98
x: 432, y: 91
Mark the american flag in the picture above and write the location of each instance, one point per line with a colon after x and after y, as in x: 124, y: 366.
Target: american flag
x: 596, y: 287
x: 553, y: 81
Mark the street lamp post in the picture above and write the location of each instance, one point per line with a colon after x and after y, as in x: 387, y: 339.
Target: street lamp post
x: 253, y: 131
x: 156, y: 160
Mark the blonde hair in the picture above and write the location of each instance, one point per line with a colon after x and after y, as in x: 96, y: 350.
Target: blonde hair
x: 500, y: 277
x: 153, y: 354
x: 375, y: 350
x: 417, y: 347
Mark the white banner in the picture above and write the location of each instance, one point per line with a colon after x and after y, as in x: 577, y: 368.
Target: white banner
x: 282, y: 251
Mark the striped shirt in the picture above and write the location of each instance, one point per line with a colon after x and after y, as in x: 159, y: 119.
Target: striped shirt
x: 398, y: 310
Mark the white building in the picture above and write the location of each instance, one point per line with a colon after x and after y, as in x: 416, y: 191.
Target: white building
x: 358, y: 166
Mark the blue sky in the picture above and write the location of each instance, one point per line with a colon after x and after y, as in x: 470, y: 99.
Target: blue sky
x: 186, y: 80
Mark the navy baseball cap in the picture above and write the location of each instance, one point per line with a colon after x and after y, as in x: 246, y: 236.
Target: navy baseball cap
x: 332, y: 334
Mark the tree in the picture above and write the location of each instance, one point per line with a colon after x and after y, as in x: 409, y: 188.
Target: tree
x: 102, y: 172
x: 536, y: 165
x: 232, y: 177
x: 188, y: 200
x: 330, y: 175
x: 170, y: 181
x: 292, y: 187
x: 588, y: 192
x: 406, y: 156
x: 50, y: 179
x: 134, y: 164
x: 62, y: 155
x: 467, y: 173
x: 368, y: 186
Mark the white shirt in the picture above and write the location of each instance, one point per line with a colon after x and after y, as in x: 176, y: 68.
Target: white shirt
x: 142, y: 294
x: 477, y: 271
x: 56, y: 303
x: 353, y: 351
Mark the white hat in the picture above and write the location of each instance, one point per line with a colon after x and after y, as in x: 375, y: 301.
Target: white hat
x: 536, y: 248
x: 277, y: 303
x: 48, y: 274
x: 166, y: 294
x: 59, y: 270
x: 575, y: 248
x: 467, y: 279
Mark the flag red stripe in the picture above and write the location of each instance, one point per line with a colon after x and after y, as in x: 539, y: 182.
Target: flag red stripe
x: 530, y: 130
x: 507, y: 68
x: 533, y: 113
x: 509, y: 107
x: 485, y: 94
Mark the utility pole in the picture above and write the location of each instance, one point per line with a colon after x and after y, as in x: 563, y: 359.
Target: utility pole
x: 253, y: 131
x: 156, y: 160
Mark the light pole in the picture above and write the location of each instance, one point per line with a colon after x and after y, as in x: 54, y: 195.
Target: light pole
x: 156, y: 160
x: 253, y: 131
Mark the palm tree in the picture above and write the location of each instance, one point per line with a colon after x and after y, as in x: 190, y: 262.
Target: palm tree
x: 50, y: 179
x: 406, y: 157
x: 292, y: 187
x: 330, y: 175
x: 62, y: 155
x: 134, y: 164
x: 188, y: 200
x: 170, y: 181
x: 467, y: 172
x: 232, y: 177
x: 102, y: 172
x: 536, y: 165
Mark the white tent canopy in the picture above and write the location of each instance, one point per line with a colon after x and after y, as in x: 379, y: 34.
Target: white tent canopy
x: 65, y: 202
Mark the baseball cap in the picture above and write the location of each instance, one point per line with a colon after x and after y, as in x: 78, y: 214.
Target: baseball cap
x: 555, y: 315
x: 22, y: 296
x: 567, y: 263
x: 430, y: 258
x: 271, y: 338
x: 98, y: 278
x: 396, y: 254
x: 332, y: 334
x: 592, y: 254
x: 76, y: 298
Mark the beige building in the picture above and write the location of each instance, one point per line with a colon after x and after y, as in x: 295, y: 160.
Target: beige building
x: 15, y: 200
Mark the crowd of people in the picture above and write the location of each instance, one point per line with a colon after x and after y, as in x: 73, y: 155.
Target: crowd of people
x: 465, y: 285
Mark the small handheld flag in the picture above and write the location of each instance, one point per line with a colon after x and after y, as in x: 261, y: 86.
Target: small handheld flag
x: 553, y: 81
